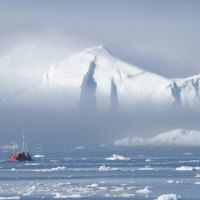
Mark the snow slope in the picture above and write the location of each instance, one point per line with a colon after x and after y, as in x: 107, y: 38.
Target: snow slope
x: 94, y: 79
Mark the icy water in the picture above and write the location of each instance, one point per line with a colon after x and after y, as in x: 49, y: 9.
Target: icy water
x: 94, y: 173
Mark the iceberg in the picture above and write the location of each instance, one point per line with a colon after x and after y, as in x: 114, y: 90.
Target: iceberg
x: 117, y: 157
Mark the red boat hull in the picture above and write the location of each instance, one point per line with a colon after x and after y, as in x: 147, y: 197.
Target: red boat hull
x: 12, y: 159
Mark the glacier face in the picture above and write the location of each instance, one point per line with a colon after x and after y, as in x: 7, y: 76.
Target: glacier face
x: 96, y: 80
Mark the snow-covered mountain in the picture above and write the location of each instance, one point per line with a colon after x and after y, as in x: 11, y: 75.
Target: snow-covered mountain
x: 95, y: 79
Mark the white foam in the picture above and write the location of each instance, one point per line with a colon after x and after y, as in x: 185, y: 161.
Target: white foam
x: 168, y: 197
x: 145, y: 190
x: 117, y: 157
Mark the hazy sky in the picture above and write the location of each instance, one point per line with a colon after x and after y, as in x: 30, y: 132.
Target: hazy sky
x: 160, y: 36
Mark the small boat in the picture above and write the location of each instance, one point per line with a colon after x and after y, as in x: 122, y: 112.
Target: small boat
x: 20, y: 156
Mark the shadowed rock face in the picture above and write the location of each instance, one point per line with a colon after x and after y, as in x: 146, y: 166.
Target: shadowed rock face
x: 88, y: 89
x: 176, y: 93
x: 113, y: 97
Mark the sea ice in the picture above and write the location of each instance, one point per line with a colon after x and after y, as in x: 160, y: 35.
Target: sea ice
x: 104, y: 168
x: 93, y: 185
x: 107, y: 168
x: 79, y: 147
x: 170, y: 181
x: 14, y: 197
x: 51, y: 169
x: 187, y: 168
x: 117, y: 157
x: 145, y: 190
x: 39, y: 156
x: 146, y: 168
x: 168, y: 197
x: 198, y: 176
x: 61, y: 196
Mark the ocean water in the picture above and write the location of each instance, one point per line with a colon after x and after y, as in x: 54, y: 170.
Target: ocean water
x: 94, y: 173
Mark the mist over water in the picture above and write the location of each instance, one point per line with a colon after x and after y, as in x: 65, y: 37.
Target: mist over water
x: 89, y: 127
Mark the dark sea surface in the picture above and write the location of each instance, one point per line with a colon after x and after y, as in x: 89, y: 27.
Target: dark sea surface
x: 94, y: 173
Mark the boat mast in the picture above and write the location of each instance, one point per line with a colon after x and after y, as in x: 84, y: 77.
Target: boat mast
x: 23, y: 144
x: 13, y: 148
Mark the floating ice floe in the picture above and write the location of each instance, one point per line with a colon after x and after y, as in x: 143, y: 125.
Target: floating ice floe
x: 187, y: 168
x: 104, y: 168
x: 39, y: 156
x: 126, y: 195
x: 61, y: 196
x: 197, y: 183
x: 179, y: 182
x: 117, y: 157
x: 146, y: 168
x: 145, y: 190
x: 79, y: 147
x: 93, y: 185
x: 168, y: 197
x: 175, y: 181
x: 188, y: 153
x: 32, y: 164
x: 148, y: 160
x: 13, y: 169
x: 14, y: 197
x: 51, y: 169
x: 198, y: 176
x: 107, y: 168
x: 170, y: 181
x: 189, y: 161
x: 64, y: 184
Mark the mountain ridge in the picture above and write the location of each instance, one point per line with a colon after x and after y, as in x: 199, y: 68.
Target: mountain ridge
x: 96, y: 80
